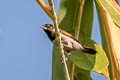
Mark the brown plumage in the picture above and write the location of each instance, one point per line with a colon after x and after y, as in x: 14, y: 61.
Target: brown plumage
x: 68, y: 41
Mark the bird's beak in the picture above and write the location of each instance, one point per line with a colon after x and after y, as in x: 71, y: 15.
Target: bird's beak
x: 43, y: 27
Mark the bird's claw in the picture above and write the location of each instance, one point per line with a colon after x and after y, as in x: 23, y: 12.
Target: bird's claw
x: 63, y: 60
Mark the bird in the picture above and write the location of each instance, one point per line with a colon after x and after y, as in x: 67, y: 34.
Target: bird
x: 68, y: 41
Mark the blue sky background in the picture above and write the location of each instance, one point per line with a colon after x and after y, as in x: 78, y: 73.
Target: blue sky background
x: 25, y: 50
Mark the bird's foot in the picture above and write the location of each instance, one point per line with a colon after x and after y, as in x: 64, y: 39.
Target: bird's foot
x: 62, y: 59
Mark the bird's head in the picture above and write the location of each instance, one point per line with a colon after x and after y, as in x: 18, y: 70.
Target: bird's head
x: 48, y: 27
x: 49, y: 30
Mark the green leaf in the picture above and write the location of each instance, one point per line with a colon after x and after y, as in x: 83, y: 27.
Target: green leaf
x: 104, y: 42
x: 57, y: 66
x: 67, y: 14
x: 111, y: 10
x: 97, y: 63
x: 87, y: 20
x: 111, y: 26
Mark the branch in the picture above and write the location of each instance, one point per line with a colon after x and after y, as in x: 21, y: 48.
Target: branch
x: 58, y: 38
x: 46, y: 8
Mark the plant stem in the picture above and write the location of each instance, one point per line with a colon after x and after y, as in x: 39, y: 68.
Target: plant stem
x: 77, y: 31
x: 58, y: 38
x: 72, y: 71
x: 46, y: 8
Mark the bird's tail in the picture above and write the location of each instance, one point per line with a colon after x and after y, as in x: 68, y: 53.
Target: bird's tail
x: 89, y: 50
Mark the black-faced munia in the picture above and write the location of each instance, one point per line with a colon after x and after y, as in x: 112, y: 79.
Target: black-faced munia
x: 69, y: 42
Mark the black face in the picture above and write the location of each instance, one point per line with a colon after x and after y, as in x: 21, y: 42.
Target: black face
x: 48, y: 28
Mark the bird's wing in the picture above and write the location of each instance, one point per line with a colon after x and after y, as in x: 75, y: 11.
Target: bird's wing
x: 67, y: 34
